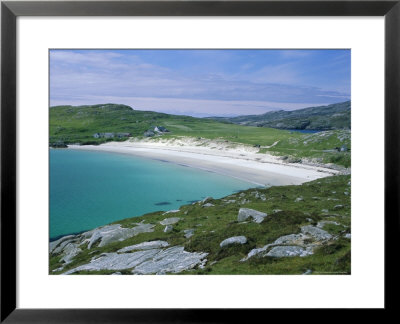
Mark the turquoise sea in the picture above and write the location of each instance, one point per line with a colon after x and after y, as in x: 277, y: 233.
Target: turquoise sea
x: 89, y: 189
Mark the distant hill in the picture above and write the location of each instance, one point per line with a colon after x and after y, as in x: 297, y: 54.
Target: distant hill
x: 79, y: 124
x: 335, y: 116
x: 93, y: 124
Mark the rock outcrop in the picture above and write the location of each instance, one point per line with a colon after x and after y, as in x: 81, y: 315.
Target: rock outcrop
x: 289, y: 251
x: 144, y: 246
x: 245, y: 213
x: 301, y: 244
x: 151, y: 261
x: 114, y: 233
x: 234, y: 240
x: 170, y: 221
x: 317, y: 233
x: 70, y: 246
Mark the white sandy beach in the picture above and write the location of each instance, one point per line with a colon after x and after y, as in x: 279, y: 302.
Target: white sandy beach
x: 238, y: 161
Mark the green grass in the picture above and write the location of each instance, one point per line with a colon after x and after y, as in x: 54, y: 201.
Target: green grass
x: 214, y: 224
x: 78, y: 124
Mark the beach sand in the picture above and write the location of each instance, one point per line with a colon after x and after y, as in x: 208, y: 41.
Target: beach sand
x: 241, y: 162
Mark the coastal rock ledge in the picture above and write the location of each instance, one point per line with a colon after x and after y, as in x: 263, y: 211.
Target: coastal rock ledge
x: 152, y: 261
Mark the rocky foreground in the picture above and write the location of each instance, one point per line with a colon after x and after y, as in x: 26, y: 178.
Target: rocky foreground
x: 281, y: 230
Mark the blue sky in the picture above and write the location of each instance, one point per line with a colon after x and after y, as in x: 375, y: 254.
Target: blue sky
x: 201, y: 82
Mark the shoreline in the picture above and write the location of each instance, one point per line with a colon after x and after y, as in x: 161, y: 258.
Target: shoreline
x: 242, y: 162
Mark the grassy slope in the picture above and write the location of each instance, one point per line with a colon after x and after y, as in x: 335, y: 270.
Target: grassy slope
x: 335, y: 116
x: 78, y: 124
x: 214, y: 224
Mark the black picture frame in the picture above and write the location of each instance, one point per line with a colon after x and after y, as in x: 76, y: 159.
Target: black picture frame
x: 10, y: 10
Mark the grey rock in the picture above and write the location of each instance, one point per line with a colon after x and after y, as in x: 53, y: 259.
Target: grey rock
x: 277, y: 210
x: 325, y: 210
x: 245, y: 213
x: 291, y: 239
x: 115, y: 261
x: 189, y: 232
x: 59, y: 249
x: 233, y: 240
x: 114, y: 233
x: 308, y: 272
x: 208, y: 205
x: 70, y: 251
x: 116, y: 274
x: 317, y: 233
x: 168, y: 229
x: 55, y: 244
x: 347, y: 235
x: 289, y: 251
x: 170, y: 221
x: 144, y: 246
x: 172, y: 260
x: 298, y: 199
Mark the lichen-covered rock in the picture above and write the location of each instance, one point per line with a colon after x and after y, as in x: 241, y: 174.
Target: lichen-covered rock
x: 144, y: 246
x: 291, y: 239
x: 114, y: 233
x: 70, y: 251
x: 288, y: 251
x: 170, y: 221
x: 233, y: 240
x: 245, y: 213
x: 171, y: 260
x: 53, y: 245
x: 116, y: 261
x: 317, y: 233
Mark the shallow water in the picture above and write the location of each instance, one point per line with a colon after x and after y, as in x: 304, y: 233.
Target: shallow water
x: 90, y: 189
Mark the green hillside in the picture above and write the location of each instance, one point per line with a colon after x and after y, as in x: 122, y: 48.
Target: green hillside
x: 335, y: 116
x: 70, y: 124
x: 322, y: 205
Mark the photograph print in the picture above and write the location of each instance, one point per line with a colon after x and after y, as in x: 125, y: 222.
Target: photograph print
x: 200, y: 162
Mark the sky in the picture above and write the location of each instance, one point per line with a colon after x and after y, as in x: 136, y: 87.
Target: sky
x: 201, y: 82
